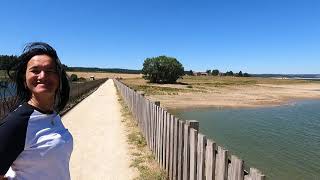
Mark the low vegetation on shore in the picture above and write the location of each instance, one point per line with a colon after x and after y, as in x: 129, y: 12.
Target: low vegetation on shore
x: 203, y: 84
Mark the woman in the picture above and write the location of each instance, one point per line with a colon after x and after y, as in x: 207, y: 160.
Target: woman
x: 34, y: 144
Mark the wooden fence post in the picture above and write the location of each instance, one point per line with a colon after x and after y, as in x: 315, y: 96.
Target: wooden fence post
x: 186, y: 157
x: 202, y: 140
x: 256, y: 174
x: 162, y: 139
x: 171, y: 153
x: 210, y: 163
x: 193, y: 124
x: 193, y: 153
x: 180, y: 149
x: 222, y: 164
x: 168, y: 141
x: 236, y: 168
x: 175, y: 148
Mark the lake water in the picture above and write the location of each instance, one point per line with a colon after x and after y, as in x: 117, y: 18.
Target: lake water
x: 283, y: 142
x: 7, y: 89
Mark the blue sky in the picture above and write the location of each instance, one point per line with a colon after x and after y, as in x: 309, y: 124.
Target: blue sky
x: 255, y: 36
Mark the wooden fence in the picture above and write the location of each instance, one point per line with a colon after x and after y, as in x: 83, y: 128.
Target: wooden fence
x: 179, y: 147
x: 77, y: 89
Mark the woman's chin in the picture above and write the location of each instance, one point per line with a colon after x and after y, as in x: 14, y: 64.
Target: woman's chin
x: 43, y: 91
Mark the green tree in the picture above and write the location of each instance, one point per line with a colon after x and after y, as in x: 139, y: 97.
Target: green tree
x: 208, y: 71
x: 215, y: 72
x: 162, y: 69
x: 7, y: 61
x: 240, y: 74
x: 246, y: 75
x: 74, y: 77
x: 229, y: 73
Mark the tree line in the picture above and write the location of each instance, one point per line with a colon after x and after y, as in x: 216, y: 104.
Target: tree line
x: 110, y: 70
x: 8, y: 61
x: 216, y: 72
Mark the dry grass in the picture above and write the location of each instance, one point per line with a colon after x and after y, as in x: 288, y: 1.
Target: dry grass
x: 142, y: 157
x: 227, y: 80
x: 213, y: 91
x: 203, y: 84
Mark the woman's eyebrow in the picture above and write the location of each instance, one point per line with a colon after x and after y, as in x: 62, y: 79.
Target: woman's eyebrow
x: 34, y: 67
x: 40, y: 67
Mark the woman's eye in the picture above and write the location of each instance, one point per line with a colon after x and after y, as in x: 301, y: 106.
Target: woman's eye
x: 35, y: 71
x: 51, y: 71
x: 47, y: 71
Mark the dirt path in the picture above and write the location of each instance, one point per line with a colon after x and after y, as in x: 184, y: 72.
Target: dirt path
x: 100, y: 150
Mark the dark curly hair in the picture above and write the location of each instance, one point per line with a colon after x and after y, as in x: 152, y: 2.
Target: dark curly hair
x: 18, y: 71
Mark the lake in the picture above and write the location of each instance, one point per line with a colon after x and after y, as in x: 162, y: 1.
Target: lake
x: 283, y: 142
x: 7, y: 89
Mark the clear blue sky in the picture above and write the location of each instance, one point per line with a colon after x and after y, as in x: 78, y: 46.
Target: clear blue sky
x: 255, y: 36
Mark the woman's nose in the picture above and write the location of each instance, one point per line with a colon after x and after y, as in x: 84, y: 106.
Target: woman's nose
x: 41, y: 74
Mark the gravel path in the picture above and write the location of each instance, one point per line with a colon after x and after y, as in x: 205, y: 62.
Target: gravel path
x: 100, y: 149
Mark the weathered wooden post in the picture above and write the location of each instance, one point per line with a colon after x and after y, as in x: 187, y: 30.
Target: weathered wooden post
x: 222, y: 164
x: 201, y: 156
x: 193, y: 124
x: 256, y: 174
x: 157, y: 103
x: 210, y: 162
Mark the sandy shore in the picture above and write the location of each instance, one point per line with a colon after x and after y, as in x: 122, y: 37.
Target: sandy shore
x: 257, y: 95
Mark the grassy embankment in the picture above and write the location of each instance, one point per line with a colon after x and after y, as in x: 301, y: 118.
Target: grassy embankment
x: 142, y: 158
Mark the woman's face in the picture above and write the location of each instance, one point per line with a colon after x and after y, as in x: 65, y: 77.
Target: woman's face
x: 41, y: 76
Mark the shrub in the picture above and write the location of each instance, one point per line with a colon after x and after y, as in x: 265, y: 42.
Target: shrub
x: 74, y: 77
x: 82, y: 79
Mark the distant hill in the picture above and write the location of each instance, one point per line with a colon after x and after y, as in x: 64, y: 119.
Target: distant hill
x: 111, y: 70
x: 7, y: 61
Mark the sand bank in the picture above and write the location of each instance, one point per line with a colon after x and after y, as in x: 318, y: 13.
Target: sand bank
x: 242, y: 96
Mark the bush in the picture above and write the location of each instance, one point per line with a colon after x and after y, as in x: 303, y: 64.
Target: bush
x: 82, y: 79
x: 162, y: 69
x: 74, y: 77
x: 215, y: 72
